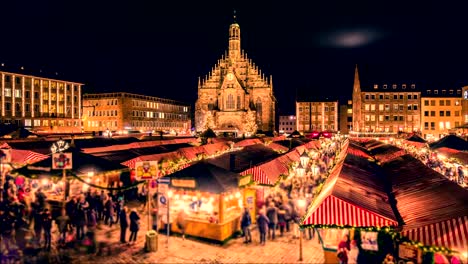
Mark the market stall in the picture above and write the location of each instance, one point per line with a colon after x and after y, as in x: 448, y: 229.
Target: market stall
x: 353, y: 202
x: 86, y: 170
x: 211, y: 199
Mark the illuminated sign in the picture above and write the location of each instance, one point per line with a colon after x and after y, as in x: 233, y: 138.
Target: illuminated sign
x: 245, y: 180
x: 62, y: 161
x: 59, y: 146
x: 146, y: 170
x: 183, y: 183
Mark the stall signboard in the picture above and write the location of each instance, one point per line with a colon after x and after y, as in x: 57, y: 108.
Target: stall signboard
x: 146, y: 170
x: 62, y: 161
x: 369, y: 240
x: 184, y: 183
x: 5, y: 155
x: 408, y: 253
x: 245, y: 180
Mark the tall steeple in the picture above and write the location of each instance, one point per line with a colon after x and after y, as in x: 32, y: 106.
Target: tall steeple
x: 357, y: 102
x: 234, y: 39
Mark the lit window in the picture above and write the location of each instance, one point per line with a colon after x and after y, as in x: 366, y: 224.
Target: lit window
x: 376, y: 86
x: 7, y: 92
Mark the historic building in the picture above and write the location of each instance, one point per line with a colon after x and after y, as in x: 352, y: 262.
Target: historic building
x: 386, y: 108
x: 287, y: 124
x: 40, y: 104
x: 320, y: 115
x: 345, y: 119
x: 441, y: 112
x: 235, y: 97
x: 123, y: 112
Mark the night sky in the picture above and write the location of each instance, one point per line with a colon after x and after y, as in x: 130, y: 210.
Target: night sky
x: 160, y: 48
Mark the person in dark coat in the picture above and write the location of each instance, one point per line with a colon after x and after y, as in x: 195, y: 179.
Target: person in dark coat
x: 134, y: 225
x: 80, y: 216
x: 110, y: 206
x: 47, y: 225
x: 262, y: 223
x: 245, y: 225
x: 123, y: 224
x: 272, y: 214
x: 62, y: 224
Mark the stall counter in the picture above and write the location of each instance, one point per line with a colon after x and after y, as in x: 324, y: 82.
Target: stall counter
x: 218, y: 232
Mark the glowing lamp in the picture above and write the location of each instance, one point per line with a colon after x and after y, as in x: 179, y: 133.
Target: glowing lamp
x: 304, y: 159
x: 300, y: 170
x: 169, y: 194
x: 90, y: 173
x: 301, y: 203
x: 45, y: 181
x: 238, y: 194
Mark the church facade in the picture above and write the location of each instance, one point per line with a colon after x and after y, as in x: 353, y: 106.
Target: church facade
x: 235, y: 96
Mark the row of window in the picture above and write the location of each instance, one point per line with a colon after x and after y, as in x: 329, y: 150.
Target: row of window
x: 287, y: 123
x: 27, y: 82
x: 107, y: 124
x: 162, y: 106
x: 317, y: 109
x: 102, y: 113
x: 318, y: 127
x: 387, y: 118
x: 441, y: 113
x: 443, y: 92
x: 441, y: 102
x: 394, y: 86
x: 389, y: 96
x: 316, y: 117
x: 442, y: 125
x: 156, y: 125
x: 148, y: 114
x: 387, y: 107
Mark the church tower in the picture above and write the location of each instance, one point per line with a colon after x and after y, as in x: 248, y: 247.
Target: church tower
x: 357, y: 102
x: 234, y: 40
x: 235, y: 97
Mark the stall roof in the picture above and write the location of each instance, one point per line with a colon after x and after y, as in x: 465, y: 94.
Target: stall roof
x: 460, y: 156
x: 450, y: 141
x: 247, y: 142
x: 386, y: 152
x: 423, y: 195
x: 245, y: 158
x: 416, y: 138
x: 208, y: 178
x: 353, y: 195
x: 82, y: 164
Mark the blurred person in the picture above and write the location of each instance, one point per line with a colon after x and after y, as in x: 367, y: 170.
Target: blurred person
x: 272, y: 214
x: 123, y: 224
x: 343, y: 249
x: 388, y: 259
x: 47, y: 225
x: 262, y: 223
x: 62, y: 225
x: 134, y: 225
x: 181, y: 221
x: 353, y: 253
x: 245, y: 225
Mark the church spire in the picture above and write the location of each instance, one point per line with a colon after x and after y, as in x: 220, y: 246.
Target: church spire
x: 357, y: 102
x: 234, y: 39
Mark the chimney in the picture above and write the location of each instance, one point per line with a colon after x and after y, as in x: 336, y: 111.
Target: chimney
x: 232, y: 162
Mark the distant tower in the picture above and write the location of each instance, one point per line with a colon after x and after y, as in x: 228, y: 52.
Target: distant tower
x: 234, y: 39
x: 357, y: 102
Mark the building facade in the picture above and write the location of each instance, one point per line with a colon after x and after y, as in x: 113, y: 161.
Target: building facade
x: 40, y: 104
x: 235, y: 97
x: 123, y: 112
x: 464, y: 106
x: 287, y: 124
x: 346, y: 117
x: 386, y: 108
x: 317, y: 116
x: 441, y: 112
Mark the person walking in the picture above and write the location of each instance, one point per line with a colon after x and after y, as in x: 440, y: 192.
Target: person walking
x: 262, y: 223
x: 123, y: 224
x: 245, y: 225
x: 353, y: 253
x: 109, y: 207
x: 272, y: 214
x: 181, y: 222
x: 62, y: 225
x: 134, y: 225
x: 47, y: 225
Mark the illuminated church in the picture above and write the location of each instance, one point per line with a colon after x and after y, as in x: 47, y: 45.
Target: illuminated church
x: 235, y: 96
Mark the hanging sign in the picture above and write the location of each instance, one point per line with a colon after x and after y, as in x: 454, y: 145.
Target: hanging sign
x: 183, y: 183
x: 59, y: 146
x: 146, y: 170
x: 62, y: 161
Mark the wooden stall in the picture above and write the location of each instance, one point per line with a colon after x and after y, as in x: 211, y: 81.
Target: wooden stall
x: 210, y: 198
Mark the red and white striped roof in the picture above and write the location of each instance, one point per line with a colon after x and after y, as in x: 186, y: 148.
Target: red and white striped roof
x: 258, y: 175
x: 452, y: 234
x: 26, y: 156
x: 334, y: 211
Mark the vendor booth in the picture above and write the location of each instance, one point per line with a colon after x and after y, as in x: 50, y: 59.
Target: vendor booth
x: 87, y: 170
x: 353, y: 202
x: 211, y: 199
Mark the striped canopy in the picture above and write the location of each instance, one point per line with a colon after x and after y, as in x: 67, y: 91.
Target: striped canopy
x: 451, y: 233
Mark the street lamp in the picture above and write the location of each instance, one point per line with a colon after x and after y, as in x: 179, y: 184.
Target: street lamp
x: 304, y: 159
x: 300, y: 170
x: 169, y: 196
x: 301, y: 204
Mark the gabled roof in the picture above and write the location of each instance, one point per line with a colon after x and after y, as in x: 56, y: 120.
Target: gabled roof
x: 208, y: 178
x: 450, y: 141
x: 247, y: 157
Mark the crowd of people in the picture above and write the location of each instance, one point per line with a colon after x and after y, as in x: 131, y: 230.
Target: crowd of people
x: 28, y: 219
